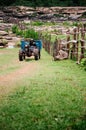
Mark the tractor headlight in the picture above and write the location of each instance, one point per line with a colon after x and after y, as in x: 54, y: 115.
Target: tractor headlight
x: 26, y: 46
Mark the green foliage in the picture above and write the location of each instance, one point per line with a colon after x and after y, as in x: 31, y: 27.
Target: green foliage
x: 46, y: 3
x: 84, y: 15
x: 40, y: 23
x: 15, y: 28
x: 50, y: 23
x: 66, y: 23
x: 29, y: 33
x: 75, y: 24
x: 20, y: 32
x: 17, y: 31
x: 37, y: 23
x: 83, y: 63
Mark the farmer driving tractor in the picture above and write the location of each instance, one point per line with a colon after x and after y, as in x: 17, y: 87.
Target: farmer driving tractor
x: 32, y: 42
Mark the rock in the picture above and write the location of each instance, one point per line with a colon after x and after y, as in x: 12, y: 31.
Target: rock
x: 43, y: 13
x: 8, y: 38
x: 3, y: 33
x: 3, y: 42
x: 2, y: 14
x: 11, y: 43
x: 74, y: 17
x: 61, y: 55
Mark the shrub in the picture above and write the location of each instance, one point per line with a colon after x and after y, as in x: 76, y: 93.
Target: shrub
x: 14, y: 28
x: 37, y: 23
x: 75, y: 24
x: 83, y: 63
x: 66, y: 23
x: 31, y: 33
x: 19, y: 32
x: 84, y: 15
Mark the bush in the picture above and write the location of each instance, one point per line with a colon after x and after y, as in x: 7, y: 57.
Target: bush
x: 83, y: 63
x: 30, y: 33
x: 75, y: 24
x: 37, y: 23
x: 19, y: 32
x: 66, y: 23
x: 84, y: 15
x: 14, y: 28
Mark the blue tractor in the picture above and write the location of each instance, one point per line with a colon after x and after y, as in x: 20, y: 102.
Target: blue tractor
x: 30, y: 48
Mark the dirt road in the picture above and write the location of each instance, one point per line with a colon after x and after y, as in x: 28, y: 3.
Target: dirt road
x: 9, y: 80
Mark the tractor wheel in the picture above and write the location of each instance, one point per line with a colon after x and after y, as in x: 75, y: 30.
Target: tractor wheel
x: 36, y: 57
x: 39, y: 55
x: 24, y: 57
x: 36, y: 54
x: 21, y: 57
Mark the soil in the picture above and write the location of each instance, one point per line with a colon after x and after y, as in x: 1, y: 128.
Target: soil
x: 8, y: 81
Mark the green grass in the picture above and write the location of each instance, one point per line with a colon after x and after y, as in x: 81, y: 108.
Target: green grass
x: 8, y: 60
x: 52, y: 99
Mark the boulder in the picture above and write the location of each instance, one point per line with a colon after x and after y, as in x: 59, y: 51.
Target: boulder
x: 61, y: 55
x: 3, y: 33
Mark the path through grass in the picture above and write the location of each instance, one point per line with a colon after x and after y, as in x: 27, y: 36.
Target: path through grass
x: 53, y: 98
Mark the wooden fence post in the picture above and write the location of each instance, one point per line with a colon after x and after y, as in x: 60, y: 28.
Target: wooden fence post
x: 49, y: 41
x: 82, y: 34
x: 77, y: 51
x: 55, y: 48
x: 84, y: 26
x: 82, y: 49
x: 68, y: 45
x: 78, y: 32
x: 75, y: 34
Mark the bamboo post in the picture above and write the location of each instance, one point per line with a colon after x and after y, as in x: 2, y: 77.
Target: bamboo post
x: 51, y: 48
x: 48, y: 47
x: 55, y: 48
x: 75, y: 34
x: 78, y: 31
x: 84, y: 26
x: 49, y: 44
x: 82, y: 49
x: 82, y: 42
x: 75, y: 44
x: 68, y: 45
x: 43, y: 41
x: 74, y: 49
x: 82, y: 34
x: 77, y: 51
x: 59, y: 44
x: 40, y: 35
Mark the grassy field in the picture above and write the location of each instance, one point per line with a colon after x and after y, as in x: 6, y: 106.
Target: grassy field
x: 50, y: 96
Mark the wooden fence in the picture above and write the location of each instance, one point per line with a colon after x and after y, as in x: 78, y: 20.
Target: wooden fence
x: 75, y: 47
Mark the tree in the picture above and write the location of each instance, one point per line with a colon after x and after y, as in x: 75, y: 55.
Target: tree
x: 46, y: 3
x: 6, y: 2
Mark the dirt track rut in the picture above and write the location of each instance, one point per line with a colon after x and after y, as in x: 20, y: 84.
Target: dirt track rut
x: 8, y: 81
